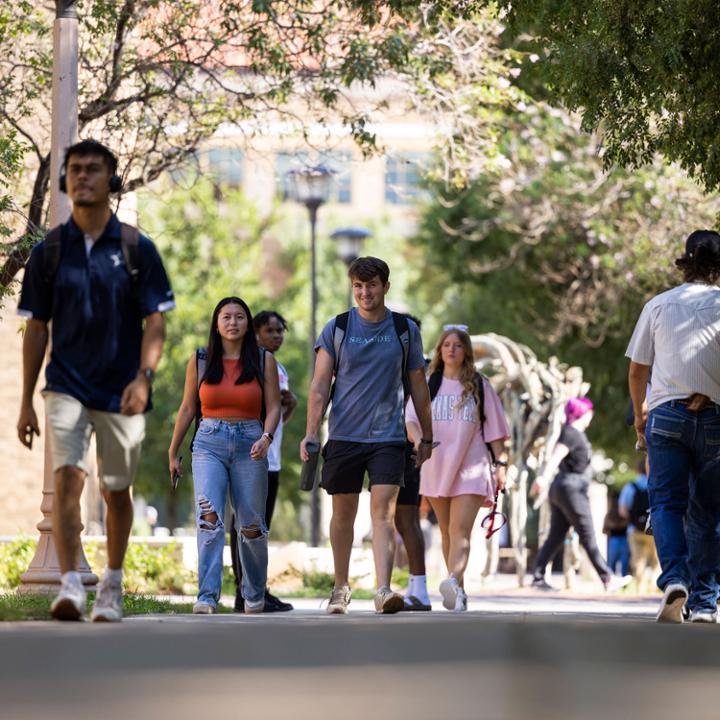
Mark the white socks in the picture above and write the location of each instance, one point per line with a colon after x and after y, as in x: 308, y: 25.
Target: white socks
x: 113, y: 576
x: 71, y: 578
x: 417, y: 586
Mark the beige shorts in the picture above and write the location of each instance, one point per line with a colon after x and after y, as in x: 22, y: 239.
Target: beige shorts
x: 118, y: 438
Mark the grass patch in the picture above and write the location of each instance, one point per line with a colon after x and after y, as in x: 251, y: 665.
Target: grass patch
x: 17, y: 606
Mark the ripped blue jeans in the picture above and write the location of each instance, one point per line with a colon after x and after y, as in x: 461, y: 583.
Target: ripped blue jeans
x: 221, y: 462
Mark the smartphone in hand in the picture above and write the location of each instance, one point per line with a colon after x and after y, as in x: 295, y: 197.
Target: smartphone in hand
x: 176, y: 475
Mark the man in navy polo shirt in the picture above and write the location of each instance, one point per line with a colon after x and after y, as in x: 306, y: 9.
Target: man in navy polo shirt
x: 107, y: 338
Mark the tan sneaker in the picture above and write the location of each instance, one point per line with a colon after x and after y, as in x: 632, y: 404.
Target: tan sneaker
x: 388, y: 602
x: 339, y: 601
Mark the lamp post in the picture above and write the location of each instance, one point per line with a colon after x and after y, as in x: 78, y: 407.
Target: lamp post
x: 311, y: 186
x: 349, y: 246
x: 43, y: 574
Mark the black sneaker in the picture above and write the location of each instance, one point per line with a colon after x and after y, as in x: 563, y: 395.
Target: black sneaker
x: 239, y: 602
x: 275, y: 604
x: 542, y: 584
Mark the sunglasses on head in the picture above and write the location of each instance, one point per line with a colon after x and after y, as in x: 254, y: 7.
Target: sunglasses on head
x: 462, y: 328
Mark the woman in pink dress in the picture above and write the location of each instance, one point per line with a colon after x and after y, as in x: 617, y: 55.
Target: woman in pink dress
x: 458, y: 478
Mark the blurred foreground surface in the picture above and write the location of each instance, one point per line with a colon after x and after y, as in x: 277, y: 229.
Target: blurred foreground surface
x: 517, y: 657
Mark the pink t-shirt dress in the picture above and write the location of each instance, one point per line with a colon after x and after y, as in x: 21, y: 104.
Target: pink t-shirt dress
x: 460, y: 465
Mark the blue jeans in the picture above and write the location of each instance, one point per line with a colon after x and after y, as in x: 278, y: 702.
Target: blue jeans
x: 618, y: 554
x: 221, y: 461
x: 684, y: 489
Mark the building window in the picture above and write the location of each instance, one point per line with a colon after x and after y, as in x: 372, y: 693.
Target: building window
x: 226, y: 165
x: 403, y: 175
x: 284, y: 163
x: 341, y: 162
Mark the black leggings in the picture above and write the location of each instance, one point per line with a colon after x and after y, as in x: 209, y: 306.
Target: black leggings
x: 570, y: 507
x: 273, y: 484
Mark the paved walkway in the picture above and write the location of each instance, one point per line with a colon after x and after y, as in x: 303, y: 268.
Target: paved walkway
x: 525, y: 657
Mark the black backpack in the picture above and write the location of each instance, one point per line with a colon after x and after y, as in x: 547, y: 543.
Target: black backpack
x: 434, y: 382
x: 640, y: 508
x: 129, y: 243
x: 201, y: 362
x: 402, y: 329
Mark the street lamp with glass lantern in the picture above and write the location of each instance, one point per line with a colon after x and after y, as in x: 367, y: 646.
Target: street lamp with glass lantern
x: 349, y: 242
x: 311, y: 186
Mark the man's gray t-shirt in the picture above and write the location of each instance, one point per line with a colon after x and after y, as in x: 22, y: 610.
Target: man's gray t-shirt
x: 368, y: 405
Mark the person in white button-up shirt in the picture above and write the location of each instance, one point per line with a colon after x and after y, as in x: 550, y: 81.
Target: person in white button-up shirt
x: 678, y: 337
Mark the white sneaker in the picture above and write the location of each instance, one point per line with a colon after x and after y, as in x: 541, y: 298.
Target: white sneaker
x: 703, y: 616
x: 461, y: 602
x: 449, y: 592
x: 108, y: 602
x: 672, y: 604
x: 203, y: 608
x: 617, y: 582
x: 339, y: 601
x: 70, y: 601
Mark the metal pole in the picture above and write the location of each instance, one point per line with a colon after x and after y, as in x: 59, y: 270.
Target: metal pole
x: 43, y: 575
x: 315, y: 498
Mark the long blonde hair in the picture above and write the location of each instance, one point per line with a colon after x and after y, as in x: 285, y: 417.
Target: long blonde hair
x: 467, y: 371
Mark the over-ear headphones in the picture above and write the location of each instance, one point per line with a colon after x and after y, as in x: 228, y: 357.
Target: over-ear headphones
x: 115, y: 183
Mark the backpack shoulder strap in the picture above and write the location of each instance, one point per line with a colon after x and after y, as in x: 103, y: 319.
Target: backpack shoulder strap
x: 339, y: 331
x: 341, y: 324
x: 434, y: 382
x: 261, y: 364
x: 130, y: 244
x: 200, y: 363
x: 480, y: 383
x: 52, y: 249
x: 402, y: 329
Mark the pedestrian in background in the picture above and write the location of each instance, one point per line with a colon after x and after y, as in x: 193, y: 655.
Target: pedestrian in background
x: 270, y: 327
x: 634, y: 506
x: 568, y: 468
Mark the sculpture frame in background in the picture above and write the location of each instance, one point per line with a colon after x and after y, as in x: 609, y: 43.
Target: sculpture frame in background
x: 533, y: 394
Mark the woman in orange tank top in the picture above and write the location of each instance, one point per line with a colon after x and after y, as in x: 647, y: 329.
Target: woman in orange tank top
x: 239, y: 407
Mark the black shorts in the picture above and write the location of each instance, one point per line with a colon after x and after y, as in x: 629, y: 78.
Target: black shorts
x: 345, y: 465
x: 410, y: 493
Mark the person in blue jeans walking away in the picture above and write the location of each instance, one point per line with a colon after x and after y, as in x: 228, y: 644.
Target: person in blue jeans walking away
x: 236, y: 390
x: 677, y: 335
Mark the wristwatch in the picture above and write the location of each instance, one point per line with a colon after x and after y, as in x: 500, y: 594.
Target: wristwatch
x: 502, y: 463
x: 269, y: 435
x: 426, y: 442
x: 148, y: 374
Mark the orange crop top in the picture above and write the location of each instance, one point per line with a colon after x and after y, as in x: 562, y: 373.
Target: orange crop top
x: 226, y: 399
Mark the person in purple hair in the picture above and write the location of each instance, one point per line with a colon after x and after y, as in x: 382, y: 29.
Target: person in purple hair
x: 569, y: 470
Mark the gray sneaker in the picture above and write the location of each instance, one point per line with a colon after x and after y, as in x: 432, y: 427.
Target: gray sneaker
x: 388, y: 602
x: 203, y: 608
x: 70, y: 602
x: 108, y: 602
x: 339, y: 601
x: 703, y: 616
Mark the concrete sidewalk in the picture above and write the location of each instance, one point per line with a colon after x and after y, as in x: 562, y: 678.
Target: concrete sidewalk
x: 514, y: 656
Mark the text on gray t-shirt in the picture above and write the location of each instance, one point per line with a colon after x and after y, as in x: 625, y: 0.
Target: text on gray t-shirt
x: 368, y: 405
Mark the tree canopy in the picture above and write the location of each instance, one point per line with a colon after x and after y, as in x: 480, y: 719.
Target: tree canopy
x: 158, y: 78
x: 645, y: 74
